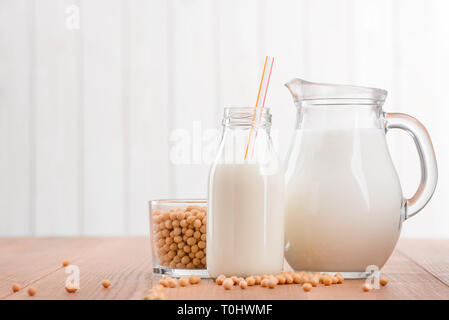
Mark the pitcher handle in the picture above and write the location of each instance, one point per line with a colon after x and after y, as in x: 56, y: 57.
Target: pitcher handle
x: 428, y: 162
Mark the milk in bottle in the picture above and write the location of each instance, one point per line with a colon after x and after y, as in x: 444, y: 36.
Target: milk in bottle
x: 245, y: 226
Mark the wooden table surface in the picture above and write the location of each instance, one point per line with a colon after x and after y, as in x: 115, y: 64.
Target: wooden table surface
x: 418, y: 269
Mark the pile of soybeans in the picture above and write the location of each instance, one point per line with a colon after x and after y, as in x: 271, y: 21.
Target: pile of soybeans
x: 307, y: 280
x: 179, y: 237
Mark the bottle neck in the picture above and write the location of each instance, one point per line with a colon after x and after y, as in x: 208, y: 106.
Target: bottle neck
x: 244, y: 137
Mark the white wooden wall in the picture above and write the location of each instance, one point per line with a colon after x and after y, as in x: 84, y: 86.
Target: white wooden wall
x: 86, y: 115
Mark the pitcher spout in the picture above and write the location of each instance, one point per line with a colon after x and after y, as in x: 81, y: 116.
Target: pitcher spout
x: 296, y: 86
x: 302, y: 90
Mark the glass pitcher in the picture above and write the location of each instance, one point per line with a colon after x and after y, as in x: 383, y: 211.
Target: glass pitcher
x: 344, y: 203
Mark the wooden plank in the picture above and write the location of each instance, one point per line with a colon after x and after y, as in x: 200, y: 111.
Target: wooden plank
x: 437, y: 128
x: 127, y: 263
x: 430, y: 254
x: 284, y: 32
x: 57, y: 101
x: 192, y: 92
x: 415, y: 48
x: 26, y: 260
x: 407, y: 281
x: 240, y: 61
x: 239, y: 39
x: 148, y: 109
x: 371, y: 37
x: 438, y: 206
x: 16, y: 119
x: 327, y: 44
x: 104, y: 149
x: 374, y: 63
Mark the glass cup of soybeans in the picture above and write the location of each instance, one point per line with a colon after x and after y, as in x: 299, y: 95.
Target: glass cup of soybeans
x: 178, y: 236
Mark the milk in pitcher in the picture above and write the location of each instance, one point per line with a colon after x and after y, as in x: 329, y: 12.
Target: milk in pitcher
x: 343, y: 201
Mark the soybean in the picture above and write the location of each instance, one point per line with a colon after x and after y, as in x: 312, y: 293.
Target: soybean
x: 106, y: 283
x: 220, y: 279
x: 307, y: 287
x: 15, y: 287
x: 243, y: 284
x: 32, y: 291
x: 228, y: 283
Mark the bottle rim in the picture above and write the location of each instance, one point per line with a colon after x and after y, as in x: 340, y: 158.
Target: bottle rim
x: 244, y: 117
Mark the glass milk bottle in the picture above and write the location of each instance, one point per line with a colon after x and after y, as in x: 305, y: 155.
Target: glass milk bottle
x: 245, y: 227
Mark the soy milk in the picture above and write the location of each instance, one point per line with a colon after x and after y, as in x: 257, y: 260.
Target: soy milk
x: 245, y: 230
x: 343, y: 201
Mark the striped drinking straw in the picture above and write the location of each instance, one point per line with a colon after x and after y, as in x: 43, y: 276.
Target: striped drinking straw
x: 260, y: 103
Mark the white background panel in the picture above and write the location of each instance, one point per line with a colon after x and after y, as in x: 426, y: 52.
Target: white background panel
x: 96, y: 121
